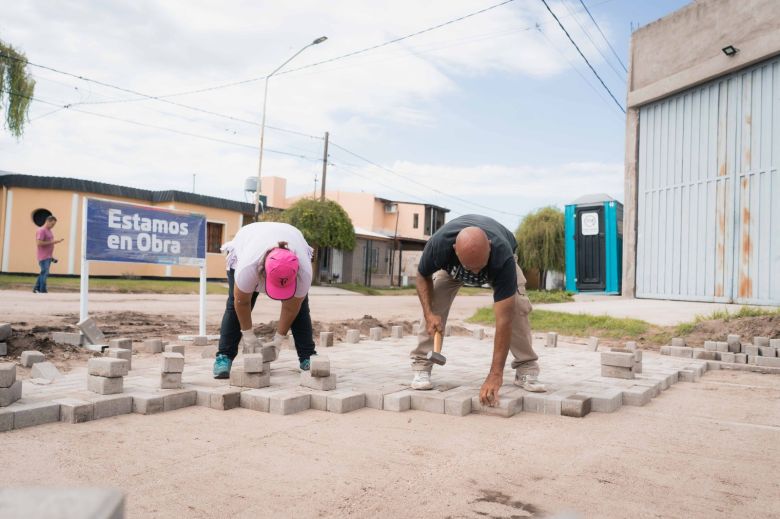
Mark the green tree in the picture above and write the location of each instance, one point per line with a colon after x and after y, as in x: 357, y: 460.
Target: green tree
x: 541, y: 242
x: 323, y: 223
x: 16, y: 88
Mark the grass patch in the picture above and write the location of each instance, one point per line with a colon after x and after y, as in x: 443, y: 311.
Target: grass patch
x: 550, y: 296
x: 119, y: 285
x: 725, y: 316
x: 581, y: 325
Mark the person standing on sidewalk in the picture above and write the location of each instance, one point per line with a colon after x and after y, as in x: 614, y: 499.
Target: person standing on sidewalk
x: 475, y: 250
x: 44, y: 239
x: 273, y: 258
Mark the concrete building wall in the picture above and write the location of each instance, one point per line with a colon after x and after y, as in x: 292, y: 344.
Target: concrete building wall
x: 678, y: 52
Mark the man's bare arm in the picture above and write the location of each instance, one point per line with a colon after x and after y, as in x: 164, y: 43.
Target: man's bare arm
x: 504, y: 311
x: 242, y: 302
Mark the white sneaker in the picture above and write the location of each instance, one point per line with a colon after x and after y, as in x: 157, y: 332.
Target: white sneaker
x: 422, y: 380
x: 529, y: 382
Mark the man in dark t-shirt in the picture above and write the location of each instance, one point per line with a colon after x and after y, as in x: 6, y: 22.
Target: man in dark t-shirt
x: 475, y: 250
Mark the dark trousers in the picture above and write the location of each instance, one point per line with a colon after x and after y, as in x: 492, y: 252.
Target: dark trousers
x: 230, y: 331
x: 40, y: 283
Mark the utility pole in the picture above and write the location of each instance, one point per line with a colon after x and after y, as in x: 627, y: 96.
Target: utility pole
x: 324, y: 167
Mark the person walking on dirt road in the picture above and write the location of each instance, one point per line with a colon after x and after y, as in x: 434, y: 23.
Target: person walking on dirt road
x: 273, y: 258
x: 45, y: 242
x: 475, y: 250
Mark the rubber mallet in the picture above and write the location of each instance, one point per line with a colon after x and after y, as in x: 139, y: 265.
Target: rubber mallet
x: 435, y: 356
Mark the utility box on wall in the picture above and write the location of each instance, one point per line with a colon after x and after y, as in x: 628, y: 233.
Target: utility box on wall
x: 594, y: 244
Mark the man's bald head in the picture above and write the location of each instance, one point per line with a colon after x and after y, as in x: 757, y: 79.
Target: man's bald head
x: 472, y: 248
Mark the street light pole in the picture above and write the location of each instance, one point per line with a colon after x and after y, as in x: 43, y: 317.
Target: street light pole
x: 262, y: 125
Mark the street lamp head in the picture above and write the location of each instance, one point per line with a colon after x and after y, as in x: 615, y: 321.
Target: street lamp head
x: 319, y: 40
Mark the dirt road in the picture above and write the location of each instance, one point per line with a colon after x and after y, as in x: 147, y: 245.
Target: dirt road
x: 701, y: 450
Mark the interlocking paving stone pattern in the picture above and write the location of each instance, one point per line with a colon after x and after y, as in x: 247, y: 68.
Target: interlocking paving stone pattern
x: 377, y: 374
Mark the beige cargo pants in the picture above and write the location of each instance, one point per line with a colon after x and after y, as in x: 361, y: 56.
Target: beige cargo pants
x: 444, y: 290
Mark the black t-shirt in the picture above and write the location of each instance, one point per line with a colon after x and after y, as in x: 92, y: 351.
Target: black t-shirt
x: 500, y: 271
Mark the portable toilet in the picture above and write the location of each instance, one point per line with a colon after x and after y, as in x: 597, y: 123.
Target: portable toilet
x: 594, y: 244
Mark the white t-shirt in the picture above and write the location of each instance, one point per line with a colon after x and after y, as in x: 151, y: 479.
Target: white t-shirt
x: 248, y: 249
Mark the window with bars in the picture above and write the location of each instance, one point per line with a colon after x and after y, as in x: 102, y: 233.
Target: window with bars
x: 214, y: 232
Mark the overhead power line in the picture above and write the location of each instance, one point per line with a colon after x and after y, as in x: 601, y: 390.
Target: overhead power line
x: 583, y: 57
x: 157, y: 127
x: 413, y: 181
x: 604, y: 36
x: 595, y: 45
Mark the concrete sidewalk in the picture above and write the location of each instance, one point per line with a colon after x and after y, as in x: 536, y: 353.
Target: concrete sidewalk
x: 655, y: 311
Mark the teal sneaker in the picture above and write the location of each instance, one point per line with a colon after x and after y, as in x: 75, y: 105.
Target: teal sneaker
x: 222, y: 366
x: 305, y: 365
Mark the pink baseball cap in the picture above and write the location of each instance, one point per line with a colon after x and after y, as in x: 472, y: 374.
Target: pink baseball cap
x: 281, y: 269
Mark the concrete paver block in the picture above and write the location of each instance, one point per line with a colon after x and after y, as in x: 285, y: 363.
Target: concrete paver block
x: 45, y: 370
x: 319, y: 383
x: 678, y: 341
x: 170, y: 380
x: 478, y: 333
x: 28, y: 415
x: 710, y: 346
x: 346, y: 402
x: 30, y: 357
x: 397, y: 332
x: 613, y: 358
x: 174, y: 348
x: 740, y: 358
x: 769, y: 362
x: 288, y: 402
x: 254, y: 363
x: 74, y: 410
x: 174, y: 400
x: 353, y: 336
x: 319, y: 366
x: 552, y: 340
x: 172, y: 363
x: 105, y: 385
x: 728, y: 357
x: 63, y: 503
x: 428, y: 401
x: 701, y: 353
x: 637, y: 395
x: 681, y: 351
x: 200, y: 340
x: 107, y: 367
x: 122, y: 353
x: 507, y: 406
x: 375, y: 333
x: 121, y: 342
x: 767, y: 351
x: 665, y: 350
x: 153, y: 345
x: 269, y: 351
x: 576, y: 406
x: 113, y: 405
x: 749, y: 349
x: 617, y: 371
x: 74, y: 339
x: 326, y: 339
x: 400, y: 401
x: 687, y: 375
x: 10, y: 394
x: 90, y: 329
x: 240, y: 378
x: 775, y: 343
x: 7, y: 374
x: 221, y: 398
x: 148, y: 403
x: 458, y: 404
x: 6, y: 420
x: 5, y: 331
x: 761, y: 341
x: 209, y: 352
x: 734, y: 343
x: 593, y: 344
x: 722, y: 346
x: 3, y: 349
x: 257, y: 399
x: 607, y: 401
x: 542, y: 403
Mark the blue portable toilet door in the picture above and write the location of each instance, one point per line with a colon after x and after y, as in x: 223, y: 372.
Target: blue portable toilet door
x: 591, y: 249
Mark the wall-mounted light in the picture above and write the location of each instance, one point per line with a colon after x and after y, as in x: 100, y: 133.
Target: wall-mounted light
x: 730, y: 50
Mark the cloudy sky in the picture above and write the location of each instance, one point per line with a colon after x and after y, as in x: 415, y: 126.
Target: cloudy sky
x: 495, y: 113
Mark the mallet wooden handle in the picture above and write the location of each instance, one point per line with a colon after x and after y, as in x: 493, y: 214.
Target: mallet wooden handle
x: 437, y: 341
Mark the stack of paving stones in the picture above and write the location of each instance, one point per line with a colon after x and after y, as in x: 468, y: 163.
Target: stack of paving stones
x: 105, y: 375
x: 319, y: 376
x: 5, y: 334
x: 256, y: 371
x: 172, y: 369
x: 762, y: 352
x: 121, y: 348
x: 621, y: 363
x: 10, y: 388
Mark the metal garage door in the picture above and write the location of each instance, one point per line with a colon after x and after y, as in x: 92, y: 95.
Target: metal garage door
x: 708, y: 181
